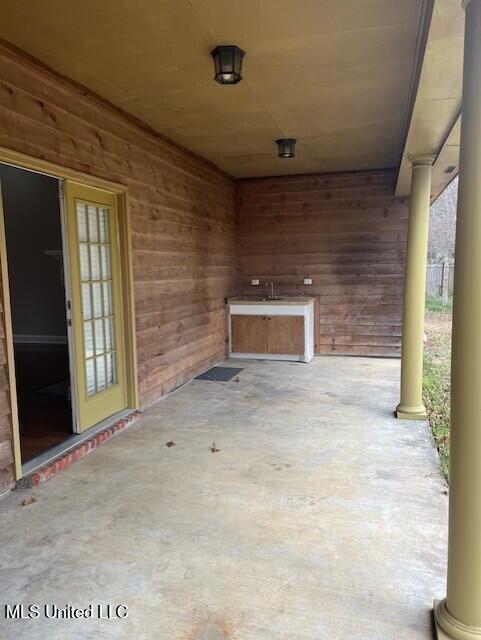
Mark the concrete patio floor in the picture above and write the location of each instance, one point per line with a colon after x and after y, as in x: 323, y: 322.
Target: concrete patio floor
x: 320, y: 517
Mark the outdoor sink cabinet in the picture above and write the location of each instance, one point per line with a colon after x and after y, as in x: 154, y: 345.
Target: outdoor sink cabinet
x: 272, y: 329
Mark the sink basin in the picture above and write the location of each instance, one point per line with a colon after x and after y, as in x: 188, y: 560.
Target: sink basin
x: 264, y: 299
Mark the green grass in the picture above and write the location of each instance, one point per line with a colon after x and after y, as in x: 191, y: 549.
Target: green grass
x: 436, y: 304
x: 436, y: 382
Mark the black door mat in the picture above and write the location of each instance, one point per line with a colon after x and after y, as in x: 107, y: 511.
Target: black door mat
x: 220, y: 374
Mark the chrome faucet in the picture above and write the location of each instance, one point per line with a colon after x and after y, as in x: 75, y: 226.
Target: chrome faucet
x: 272, y: 295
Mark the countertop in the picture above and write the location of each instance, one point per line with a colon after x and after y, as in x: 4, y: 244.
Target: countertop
x: 284, y: 300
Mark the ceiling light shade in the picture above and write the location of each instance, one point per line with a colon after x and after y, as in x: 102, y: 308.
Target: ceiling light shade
x: 227, y: 63
x: 286, y: 147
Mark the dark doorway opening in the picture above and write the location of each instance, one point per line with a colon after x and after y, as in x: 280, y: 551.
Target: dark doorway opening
x: 33, y: 230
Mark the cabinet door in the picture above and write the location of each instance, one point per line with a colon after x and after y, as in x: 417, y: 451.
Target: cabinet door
x: 286, y: 335
x: 249, y: 334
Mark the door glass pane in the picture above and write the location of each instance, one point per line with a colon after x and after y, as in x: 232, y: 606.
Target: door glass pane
x: 89, y: 339
x: 101, y: 377
x: 109, y: 361
x: 95, y: 262
x: 86, y: 302
x: 84, y: 262
x: 108, y: 334
x: 90, y: 370
x: 103, y: 229
x: 107, y: 298
x: 82, y: 222
x: 99, y: 337
x: 105, y: 262
x: 97, y: 300
x: 93, y: 224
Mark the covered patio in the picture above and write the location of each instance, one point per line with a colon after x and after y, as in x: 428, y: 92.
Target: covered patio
x: 299, y: 500
x: 321, y: 516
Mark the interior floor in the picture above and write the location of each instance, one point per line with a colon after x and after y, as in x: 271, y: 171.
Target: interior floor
x: 44, y: 409
x: 318, y: 515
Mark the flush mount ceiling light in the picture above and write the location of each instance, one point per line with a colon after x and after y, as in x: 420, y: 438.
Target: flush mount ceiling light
x: 228, y: 63
x: 286, y: 147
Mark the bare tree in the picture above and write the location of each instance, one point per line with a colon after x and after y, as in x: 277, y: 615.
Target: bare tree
x: 442, y: 232
x: 442, y: 225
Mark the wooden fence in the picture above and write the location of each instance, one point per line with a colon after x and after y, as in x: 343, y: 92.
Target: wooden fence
x: 440, y: 280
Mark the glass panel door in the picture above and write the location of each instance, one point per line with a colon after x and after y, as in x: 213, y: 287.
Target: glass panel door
x: 94, y: 233
x: 96, y: 303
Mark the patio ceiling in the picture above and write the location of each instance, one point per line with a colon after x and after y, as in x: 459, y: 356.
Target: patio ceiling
x: 436, y: 120
x: 339, y: 76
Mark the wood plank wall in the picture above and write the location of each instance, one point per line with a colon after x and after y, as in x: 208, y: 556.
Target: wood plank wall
x: 183, y: 216
x: 348, y: 233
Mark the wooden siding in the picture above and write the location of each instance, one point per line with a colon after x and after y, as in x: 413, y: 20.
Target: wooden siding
x: 345, y: 231
x: 182, y: 211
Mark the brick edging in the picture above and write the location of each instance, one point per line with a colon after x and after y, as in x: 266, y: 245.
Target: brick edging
x: 76, y: 453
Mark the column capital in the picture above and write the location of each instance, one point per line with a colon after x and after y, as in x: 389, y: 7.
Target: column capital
x: 422, y: 159
x: 464, y: 3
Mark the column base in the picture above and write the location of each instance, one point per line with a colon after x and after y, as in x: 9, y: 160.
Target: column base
x: 411, y: 413
x: 448, y: 628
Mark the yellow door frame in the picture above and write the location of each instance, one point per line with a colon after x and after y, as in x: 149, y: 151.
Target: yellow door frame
x: 7, y: 156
